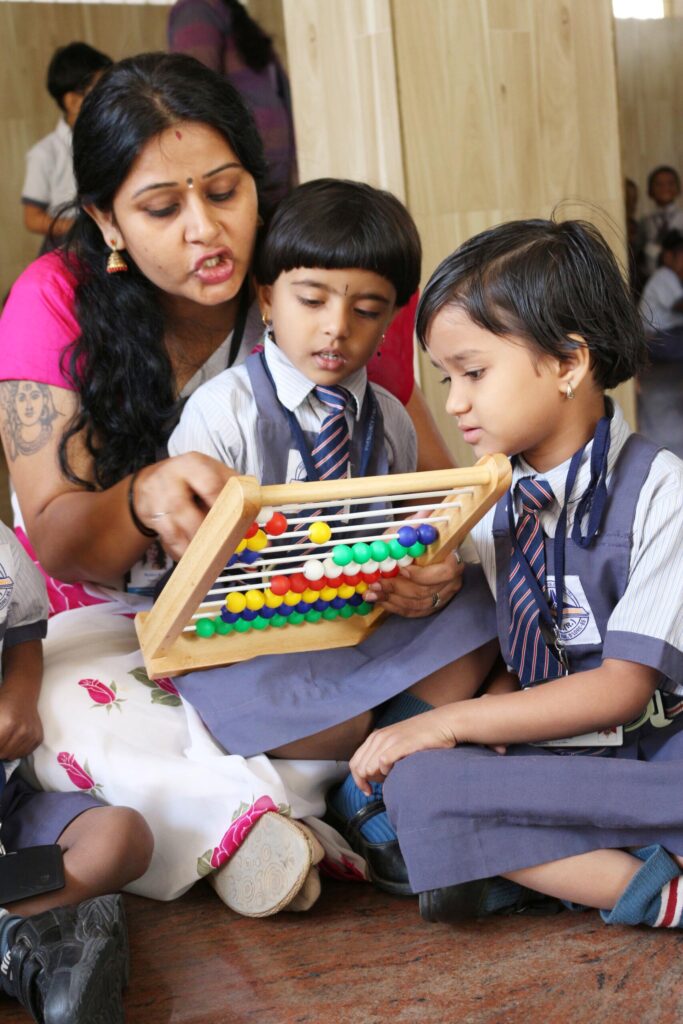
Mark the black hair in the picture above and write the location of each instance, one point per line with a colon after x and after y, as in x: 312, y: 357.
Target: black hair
x: 253, y: 44
x: 335, y: 225
x: 662, y: 169
x: 542, y: 281
x: 119, y: 364
x: 672, y: 241
x: 73, y: 68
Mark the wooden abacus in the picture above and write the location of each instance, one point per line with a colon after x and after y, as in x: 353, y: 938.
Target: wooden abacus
x: 306, y: 591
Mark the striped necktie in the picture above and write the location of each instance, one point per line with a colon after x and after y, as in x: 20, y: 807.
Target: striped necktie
x: 530, y: 656
x: 333, y: 444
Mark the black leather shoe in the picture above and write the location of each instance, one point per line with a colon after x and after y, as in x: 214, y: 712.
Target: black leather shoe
x: 68, y: 965
x: 386, y: 866
x: 467, y: 902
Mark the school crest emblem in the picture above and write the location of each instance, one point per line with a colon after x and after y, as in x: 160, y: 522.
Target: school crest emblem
x: 6, y: 587
x: 578, y: 623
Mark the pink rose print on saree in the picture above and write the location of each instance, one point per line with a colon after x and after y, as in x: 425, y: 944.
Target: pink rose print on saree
x: 243, y: 820
x: 102, y: 696
x: 163, y: 690
x: 80, y: 777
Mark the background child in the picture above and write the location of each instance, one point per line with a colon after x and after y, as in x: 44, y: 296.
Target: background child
x: 49, y: 184
x: 531, y: 322
x: 338, y: 259
x: 41, y: 938
x: 663, y: 188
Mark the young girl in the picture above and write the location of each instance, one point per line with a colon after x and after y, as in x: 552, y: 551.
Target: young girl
x: 338, y: 259
x: 531, y: 322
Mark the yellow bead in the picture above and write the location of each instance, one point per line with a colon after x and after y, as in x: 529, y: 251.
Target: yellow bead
x: 361, y: 587
x: 255, y: 600
x: 346, y: 591
x: 328, y: 593
x: 292, y: 598
x: 240, y: 547
x: 310, y: 596
x: 236, y: 602
x: 319, y: 532
x: 272, y: 600
x: 258, y: 542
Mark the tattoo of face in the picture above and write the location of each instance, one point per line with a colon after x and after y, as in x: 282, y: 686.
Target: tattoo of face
x: 28, y: 415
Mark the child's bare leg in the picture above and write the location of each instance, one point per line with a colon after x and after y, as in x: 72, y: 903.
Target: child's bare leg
x: 337, y: 743
x: 596, y: 879
x: 459, y: 680
x: 104, y: 848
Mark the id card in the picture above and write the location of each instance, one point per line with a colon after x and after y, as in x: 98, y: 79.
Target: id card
x: 601, y: 738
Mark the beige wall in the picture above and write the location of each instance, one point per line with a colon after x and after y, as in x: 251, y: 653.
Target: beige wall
x: 650, y: 82
x: 474, y: 111
x: 30, y: 33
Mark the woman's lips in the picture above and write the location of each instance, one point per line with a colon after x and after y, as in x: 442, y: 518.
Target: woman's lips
x: 215, y: 268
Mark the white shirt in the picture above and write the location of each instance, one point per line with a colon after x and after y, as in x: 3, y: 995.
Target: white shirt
x: 49, y: 181
x: 660, y: 293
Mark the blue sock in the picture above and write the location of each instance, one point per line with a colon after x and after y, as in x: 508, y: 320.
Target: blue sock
x: 654, y: 895
x: 8, y: 926
x: 349, y: 799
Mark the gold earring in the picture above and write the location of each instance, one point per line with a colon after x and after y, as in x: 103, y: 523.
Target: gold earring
x: 570, y: 393
x: 268, y: 324
x: 115, y: 263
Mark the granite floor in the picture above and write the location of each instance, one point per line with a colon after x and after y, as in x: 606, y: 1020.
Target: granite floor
x: 361, y: 957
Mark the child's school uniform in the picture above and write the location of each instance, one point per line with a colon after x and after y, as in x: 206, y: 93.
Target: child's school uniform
x: 485, y: 814
x: 241, y: 417
x: 660, y: 410
x: 27, y: 817
x: 654, y: 226
x: 49, y: 181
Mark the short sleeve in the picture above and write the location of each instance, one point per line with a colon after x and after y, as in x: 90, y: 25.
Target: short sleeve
x: 399, y: 433
x: 37, y: 181
x: 28, y: 606
x: 214, y: 421
x: 38, y: 323
x: 392, y: 364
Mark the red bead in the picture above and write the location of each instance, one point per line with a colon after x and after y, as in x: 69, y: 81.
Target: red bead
x: 352, y: 581
x: 370, y: 577
x: 318, y: 584
x: 298, y: 582
x: 390, y: 572
x: 252, y: 531
x: 280, y: 585
x: 276, y: 525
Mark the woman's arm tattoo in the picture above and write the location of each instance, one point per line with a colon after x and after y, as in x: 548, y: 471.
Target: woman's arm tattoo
x: 28, y: 412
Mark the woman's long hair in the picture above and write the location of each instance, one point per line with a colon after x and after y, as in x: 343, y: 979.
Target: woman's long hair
x: 254, y: 45
x: 118, y: 364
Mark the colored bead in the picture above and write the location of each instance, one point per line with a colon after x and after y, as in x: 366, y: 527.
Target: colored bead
x: 240, y: 547
x: 310, y: 596
x: 278, y: 621
x: 296, y: 618
x: 252, y: 531
x: 248, y: 615
x: 361, y: 552
x: 346, y: 591
x: 317, y: 584
x: 255, y: 600
x: 249, y: 557
x: 205, y: 627
x: 236, y: 602
x: 222, y: 628
x: 379, y: 550
x: 319, y: 532
x: 272, y: 600
x: 337, y: 602
x: 407, y: 536
x: 361, y: 587
x: 298, y: 582
x: 320, y: 606
x: 286, y: 610
x: 427, y: 533
x: 260, y: 623
x: 370, y: 577
x: 227, y: 616
x: 330, y: 614
x: 267, y: 613
x: 352, y: 569
x: 406, y: 560
x: 279, y: 585
x: 342, y: 554
x: 364, y: 608
x: 388, y: 564
x: 347, y: 612
x: 328, y: 593
x: 258, y: 542
x: 291, y: 598
x: 302, y: 607
x: 355, y: 600
x: 242, y: 626
x: 372, y: 565
x: 313, y: 616
x: 314, y: 569
x: 396, y: 549
x: 417, y: 549
x: 331, y: 569
x: 352, y: 580
x: 389, y: 573
x: 276, y: 525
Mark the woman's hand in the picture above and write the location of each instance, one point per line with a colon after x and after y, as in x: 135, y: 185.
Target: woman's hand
x: 418, y: 590
x: 373, y: 761
x: 173, y: 496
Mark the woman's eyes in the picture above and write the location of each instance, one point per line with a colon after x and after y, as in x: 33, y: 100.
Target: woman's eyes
x: 168, y: 211
x: 474, y: 374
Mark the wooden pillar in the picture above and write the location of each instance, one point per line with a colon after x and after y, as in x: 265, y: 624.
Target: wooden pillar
x: 472, y: 111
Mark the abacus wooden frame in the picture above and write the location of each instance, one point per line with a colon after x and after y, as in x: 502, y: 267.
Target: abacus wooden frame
x: 169, y: 651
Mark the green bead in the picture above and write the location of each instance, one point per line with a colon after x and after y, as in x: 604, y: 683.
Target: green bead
x: 278, y: 621
x: 360, y: 552
x: 363, y: 609
x: 222, y: 628
x: 296, y: 618
x: 415, y: 550
x: 346, y: 612
x: 379, y: 550
x: 313, y: 616
x: 396, y: 550
x: 342, y: 554
x: 330, y: 614
x: 242, y: 626
x: 204, y: 627
x: 259, y: 623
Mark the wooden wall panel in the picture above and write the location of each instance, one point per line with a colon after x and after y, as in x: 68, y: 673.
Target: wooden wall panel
x: 30, y: 33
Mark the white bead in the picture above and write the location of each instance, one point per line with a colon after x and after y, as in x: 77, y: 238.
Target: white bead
x: 388, y: 564
x: 314, y: 569
x: 331, y: 569
x: 406, y: 560
x: 351, y: 569
x: 370, y: 566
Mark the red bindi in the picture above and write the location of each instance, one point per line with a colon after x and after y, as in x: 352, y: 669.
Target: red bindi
x: 178, y: 135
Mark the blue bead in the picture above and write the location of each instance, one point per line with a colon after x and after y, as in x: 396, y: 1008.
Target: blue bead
x: 407, y: 536
x: 426, y: 533
x: 320, y: 605
x: 266, y: 612
x: 228, y: 616
x: 337, y: 602
x: 285, y: 609
x: 232, y: 560
x: 356, y: 600
x: 248, y: 615
x: 248, y: 557
x: 302, y: 607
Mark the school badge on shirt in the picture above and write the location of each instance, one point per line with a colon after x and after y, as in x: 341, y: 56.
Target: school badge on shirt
x: 6, y: 587
x: 578, y: 622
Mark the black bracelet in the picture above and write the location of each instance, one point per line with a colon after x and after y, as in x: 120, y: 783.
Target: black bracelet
x: 137, y: 522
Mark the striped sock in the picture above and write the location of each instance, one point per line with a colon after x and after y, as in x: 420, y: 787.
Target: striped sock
x: 654, y: 896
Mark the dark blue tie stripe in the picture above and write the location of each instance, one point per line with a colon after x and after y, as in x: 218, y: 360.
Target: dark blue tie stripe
x: 332, y: 448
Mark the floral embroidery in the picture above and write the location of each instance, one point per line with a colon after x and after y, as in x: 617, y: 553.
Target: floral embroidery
x: 101, y: 694
x: 243, y: 820
x: 81, y: 777
x: 163, y: 690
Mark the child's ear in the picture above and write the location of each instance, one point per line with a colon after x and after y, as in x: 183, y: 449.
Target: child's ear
x: 264, y: 294
x: 574, y: 366
x: 107, y: 225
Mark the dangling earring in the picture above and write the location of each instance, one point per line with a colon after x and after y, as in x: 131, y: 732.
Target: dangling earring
x: 115, y: 263
x: 570, y: 393
x: 268, y: 324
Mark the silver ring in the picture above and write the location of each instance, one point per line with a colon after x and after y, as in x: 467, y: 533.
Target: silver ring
x: 458, y: 557
x: 158, y: 515
x: 436, y: 599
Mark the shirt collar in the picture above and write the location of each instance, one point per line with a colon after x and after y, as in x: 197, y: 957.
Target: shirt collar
x: 293, y: 388
x: 64, y: 132
x: 557, y: 476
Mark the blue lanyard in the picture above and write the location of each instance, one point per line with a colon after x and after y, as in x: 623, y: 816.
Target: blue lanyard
x: 592, y: 504
x: 299, y: 439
